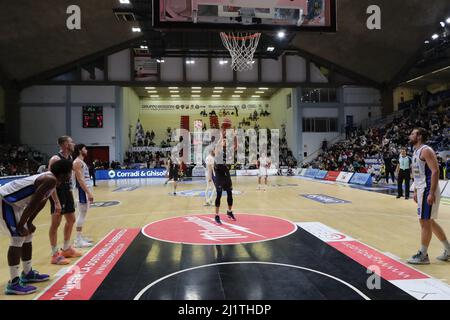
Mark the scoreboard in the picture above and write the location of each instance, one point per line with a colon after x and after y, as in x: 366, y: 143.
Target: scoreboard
x: 92, y: 117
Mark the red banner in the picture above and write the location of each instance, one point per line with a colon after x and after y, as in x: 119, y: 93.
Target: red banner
x: 332, y: 175
x: 82, y: 280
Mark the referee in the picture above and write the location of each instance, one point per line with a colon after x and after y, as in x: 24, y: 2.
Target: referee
x: 403, y: 173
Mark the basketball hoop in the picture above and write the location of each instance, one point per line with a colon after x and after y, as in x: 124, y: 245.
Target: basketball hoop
x: 242, y: 47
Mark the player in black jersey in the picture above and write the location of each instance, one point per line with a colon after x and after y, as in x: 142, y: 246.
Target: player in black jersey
x: 173, y: 169
x: 222, y: 181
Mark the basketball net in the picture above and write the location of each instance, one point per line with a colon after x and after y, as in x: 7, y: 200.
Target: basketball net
x: 242, y: 47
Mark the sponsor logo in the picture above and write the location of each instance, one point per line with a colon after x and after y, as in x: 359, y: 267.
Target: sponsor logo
x: 201, y: 193
x: 111, y: 174
x: 82, y: 280
x: 202, y: 229
x: 323, y: 232
x: 324, y: 199
x: 104, y: 204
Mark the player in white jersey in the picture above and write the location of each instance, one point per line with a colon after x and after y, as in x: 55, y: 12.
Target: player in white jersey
x: 20, y: 202
x: 209, y: 192
x: 84, y: 187
x: 427, y: 196
x: 263, y: 166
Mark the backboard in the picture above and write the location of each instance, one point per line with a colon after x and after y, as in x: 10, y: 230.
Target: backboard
x: 261, y: 15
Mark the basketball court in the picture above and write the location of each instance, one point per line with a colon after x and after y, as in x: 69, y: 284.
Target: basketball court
x: 184, y: 68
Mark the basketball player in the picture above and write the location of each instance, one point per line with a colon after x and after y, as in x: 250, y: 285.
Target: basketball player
x: 62, y: 204
x: 209, y: 176
x: 427, y: 196
x: 222, y: 181
x: 21, y: 201
x: 85, y: 197
x: 173, y: 169
x: 263, y: 165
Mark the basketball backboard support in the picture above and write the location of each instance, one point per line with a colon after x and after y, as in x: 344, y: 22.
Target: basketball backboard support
x: 260, y: 15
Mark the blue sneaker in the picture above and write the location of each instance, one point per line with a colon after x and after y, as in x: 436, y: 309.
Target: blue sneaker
x: 33, y: 276
x: 17, y: 287
x: 217, y: 218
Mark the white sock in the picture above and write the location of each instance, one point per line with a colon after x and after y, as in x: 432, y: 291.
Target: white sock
x: 26, y: 266
x: 66, y: 245
x: 14, y: 271
x: 446, y: 245
x: 54, y: 250
x: 423, y: 249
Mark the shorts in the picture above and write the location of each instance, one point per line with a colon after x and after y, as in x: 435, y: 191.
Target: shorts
x: 173, y: 175
x: 424, y: 210
x: 65, y: 197
x: 82, y: 196
x: 222, y: 183
x: 262, y: 172
x: 10, y: 216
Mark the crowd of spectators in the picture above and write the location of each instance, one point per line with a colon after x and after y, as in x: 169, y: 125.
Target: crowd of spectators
x: 385, y: 142
x: 19, y: 160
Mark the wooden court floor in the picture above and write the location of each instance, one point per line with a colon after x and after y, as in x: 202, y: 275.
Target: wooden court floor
x: 379, y: 220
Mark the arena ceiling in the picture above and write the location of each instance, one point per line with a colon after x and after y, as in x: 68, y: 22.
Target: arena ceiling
x: 34, y: 38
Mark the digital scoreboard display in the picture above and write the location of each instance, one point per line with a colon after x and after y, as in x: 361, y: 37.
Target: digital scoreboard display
x: 92, y: 117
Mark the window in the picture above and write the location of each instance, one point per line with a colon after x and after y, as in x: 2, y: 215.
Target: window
x: 324, y: 95
x: 320, y: 125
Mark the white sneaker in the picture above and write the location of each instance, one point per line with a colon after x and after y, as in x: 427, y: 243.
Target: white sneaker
x: 80, y: 243
x: 419, y: 258
x: 445, y: 256
x: 87, y: 239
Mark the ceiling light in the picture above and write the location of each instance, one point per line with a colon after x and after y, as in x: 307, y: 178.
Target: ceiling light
x: 190, y: 61
x: 216, y: 96
x: 256, y: 96
x: 136, y: 29
x: 442, y: 23
x: 173, y: 88
x: 124, y: 1
x: 154, y: 96
x: 281, y: 34
x: 260, y: 92
x: 175, y: 96
x: 150, y: 88
x: 239, y: 92
x: 196, y: 91
x: 195, y: 96
x: 144, y: 47
x: 197, y: 88
x: 270, y: 49
x: 219, y: 88
x: 236, y: 96
x: 427, y: 41
x: 241, y: 88
x: 174, y: 91
x: 152, y: 91
x: 217, y: 91
x: 435, y: 36
x: 448, y: 20
x: 263, y: 88
x: 222, y: 62
x: 160, y: 60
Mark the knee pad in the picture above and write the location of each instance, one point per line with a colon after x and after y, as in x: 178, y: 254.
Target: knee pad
x: 17, y: 242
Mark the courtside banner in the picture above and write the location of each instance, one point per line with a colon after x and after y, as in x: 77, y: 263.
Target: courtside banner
x: 130, y: 174
x: 321, y: 175
x: 255, y: 172
x: 344, y: 177
x: 415, y: 283
x: 303, y: 172
x: 446, y: 191
x: 311, y: 173
x: 363, y: 179
x: 332, y: 175
x: 82, y: 280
